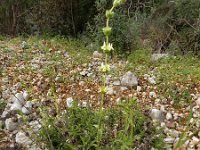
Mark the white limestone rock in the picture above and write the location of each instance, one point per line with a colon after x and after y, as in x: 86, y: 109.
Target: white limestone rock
x: 169, y: 116
x: 10, y: 124
x: 156, y: 114
x: 69, y: 102
x: 129, y: 80
x: 22, y: 139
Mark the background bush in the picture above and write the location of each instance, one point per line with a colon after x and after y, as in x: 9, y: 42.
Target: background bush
x: 162, y: 25
x: 174, y: 25
x: 127, y: 22
x: 67, y: 17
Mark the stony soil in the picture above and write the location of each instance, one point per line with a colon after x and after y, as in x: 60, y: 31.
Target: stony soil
x: 30, y: 78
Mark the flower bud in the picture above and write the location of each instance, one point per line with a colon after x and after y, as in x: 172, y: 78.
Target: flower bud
x: 105, y: 68
x: 107, y: 31
x: 103, y: 90
x: 109, y: 14
x: 116, y: 3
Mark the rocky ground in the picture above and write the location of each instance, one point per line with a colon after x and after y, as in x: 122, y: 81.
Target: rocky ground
x: 43, y: 73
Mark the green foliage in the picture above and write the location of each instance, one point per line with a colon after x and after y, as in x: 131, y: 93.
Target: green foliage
x: 126, y: 31
x: 179, y: 68
x: 140, y: 57
x: 122, y: 127
x: 139, y: 61
x: 2, y: 105
x: 180, y: 97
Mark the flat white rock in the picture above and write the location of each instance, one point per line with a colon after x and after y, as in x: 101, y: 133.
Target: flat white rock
x: 19, y: 98
x: 116, y: 83
x: 18, y: 101
x: 16, y: 106
x: 198, y: 101
x: 152, y: 80
x: 22, y: 139
x: 25, y: 95
x: 10, y: 124
x: 169, y: 116
x: 156, y: 114
x: 123, y: 88
x: 169, y: 140
x: 158, y: 56
x: 69, y: 102
x: 152, y: 95
x: 25, y: 111
x: 110, y: 91
x: 96, y: 54
x: 139, y: 88
x: 129, y: 80
x: 5, y: 114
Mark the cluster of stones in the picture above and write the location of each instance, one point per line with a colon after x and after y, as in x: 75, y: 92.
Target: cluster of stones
x: 12, y: 122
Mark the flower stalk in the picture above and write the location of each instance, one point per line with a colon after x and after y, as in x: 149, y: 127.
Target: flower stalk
x: 105, y: 67
x: 107, y: 47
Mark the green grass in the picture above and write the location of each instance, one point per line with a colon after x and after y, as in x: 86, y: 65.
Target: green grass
x: 171, y: 68
x: 178, y: 77
x: 2, y: 105
x: 122, y: 127
x: 179, y: 68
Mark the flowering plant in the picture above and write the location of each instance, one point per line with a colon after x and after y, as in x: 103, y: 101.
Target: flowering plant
x: 107, y: 47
